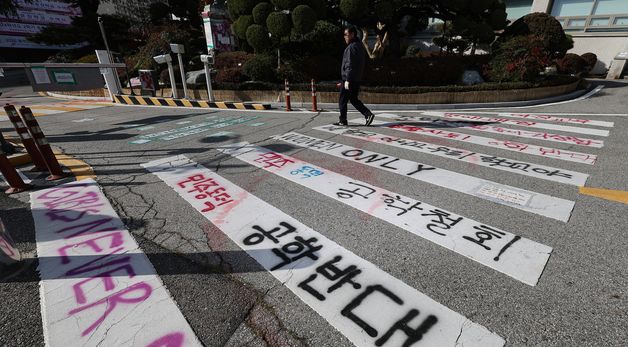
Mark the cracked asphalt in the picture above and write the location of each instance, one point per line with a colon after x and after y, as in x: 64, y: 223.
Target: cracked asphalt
x: 230, y: 300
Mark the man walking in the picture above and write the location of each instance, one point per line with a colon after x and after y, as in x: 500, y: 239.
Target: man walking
x: 353, y: 62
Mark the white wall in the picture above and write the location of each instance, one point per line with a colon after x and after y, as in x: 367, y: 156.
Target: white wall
x: 541, y: 6
x: 606, y: 48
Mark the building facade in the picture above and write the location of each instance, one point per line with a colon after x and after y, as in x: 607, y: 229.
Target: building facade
x: 131, y: 9
x: 597, y: 26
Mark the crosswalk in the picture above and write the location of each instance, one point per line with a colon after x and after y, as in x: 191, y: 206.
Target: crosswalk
x: 293, y: 260
x: 361, y: 300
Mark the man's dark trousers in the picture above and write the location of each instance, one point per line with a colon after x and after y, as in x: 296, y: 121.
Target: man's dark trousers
x: 351, y: 95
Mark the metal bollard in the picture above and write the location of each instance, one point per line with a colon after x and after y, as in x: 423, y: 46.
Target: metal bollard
x: 314, y: 101
x: 288, y: 106
x: 16, y: 184
x: 56, y: 172
x: 27, y: 140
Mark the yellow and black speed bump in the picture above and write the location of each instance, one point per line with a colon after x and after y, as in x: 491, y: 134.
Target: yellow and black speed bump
x: 151, y: 101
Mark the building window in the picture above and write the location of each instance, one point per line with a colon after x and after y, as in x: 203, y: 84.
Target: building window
x: 572, y: 8
x: 518, y: 8
x: 606, y: 7
x: 592, y: 15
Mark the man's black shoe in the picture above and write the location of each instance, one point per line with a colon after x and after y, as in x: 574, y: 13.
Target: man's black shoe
x: 369, y: 119
x: 341, y: 124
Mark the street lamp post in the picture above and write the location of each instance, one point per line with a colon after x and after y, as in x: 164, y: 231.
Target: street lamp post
x: 104, y: 38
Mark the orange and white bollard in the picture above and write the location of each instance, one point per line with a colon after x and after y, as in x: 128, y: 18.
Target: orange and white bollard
x: 16, y: 184
x: 27, y: 140
x: 56, y: 172
x: 288, y: 106
x: 314, y: 101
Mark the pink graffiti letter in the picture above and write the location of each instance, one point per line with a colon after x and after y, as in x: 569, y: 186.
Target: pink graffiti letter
x: 113, y: 300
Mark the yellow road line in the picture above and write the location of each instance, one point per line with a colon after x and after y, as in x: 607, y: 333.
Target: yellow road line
x: 80, y: 169
x: 606, y: 194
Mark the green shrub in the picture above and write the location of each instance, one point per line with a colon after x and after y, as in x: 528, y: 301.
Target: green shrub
x: 571, y: 64
x: 87, y: 59
x: 331, y: 87
x: 279, y: 24
x: 322, y: 67
x: 241, y: 25
x: 326, y: 38
x: 286, y: 4
x: 241, y: 7
x: 319, y: 6
x: 303, y: 19
x: 544, y: 26
x: 292, y: 73
x: 385, y: 11
x: 227, y: 60
x: 590, y: 59
x: 521, y: 58
x: 230, y: 75
x: 354, y: 9
x: 261, y: 68
x: 413, y: 50
x: 261, y: 12
x: 257, y: 37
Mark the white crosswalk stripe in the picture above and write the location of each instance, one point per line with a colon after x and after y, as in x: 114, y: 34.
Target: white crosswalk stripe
x: 98, y: 287
x: 550, y: 118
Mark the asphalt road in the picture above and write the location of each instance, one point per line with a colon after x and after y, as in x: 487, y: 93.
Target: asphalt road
x: 230, y: 300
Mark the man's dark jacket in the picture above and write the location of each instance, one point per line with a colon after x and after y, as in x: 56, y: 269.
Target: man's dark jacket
x: 353, y: 62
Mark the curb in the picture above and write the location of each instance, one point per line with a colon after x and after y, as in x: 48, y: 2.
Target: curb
x: 153, y: 101
x: 75, y: 97
x: 417, y: 107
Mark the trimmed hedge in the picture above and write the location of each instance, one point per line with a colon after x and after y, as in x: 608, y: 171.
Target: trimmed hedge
x: 550, y: 81
x: 279, y: 24
x: 304, y: 19
x: 261, y: 12
x: 257, y: 37
x: 354, y: 9
x: 241, y: 25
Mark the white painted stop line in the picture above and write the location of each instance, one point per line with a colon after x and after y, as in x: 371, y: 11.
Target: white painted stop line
x: 500, y: 163
x: 366, y: 304
x: 513, y: 146
x: 521, y: 123
x: 521, y: 199
x: 98, y: 288
x: 510, y: 254
x: 550, y: 118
